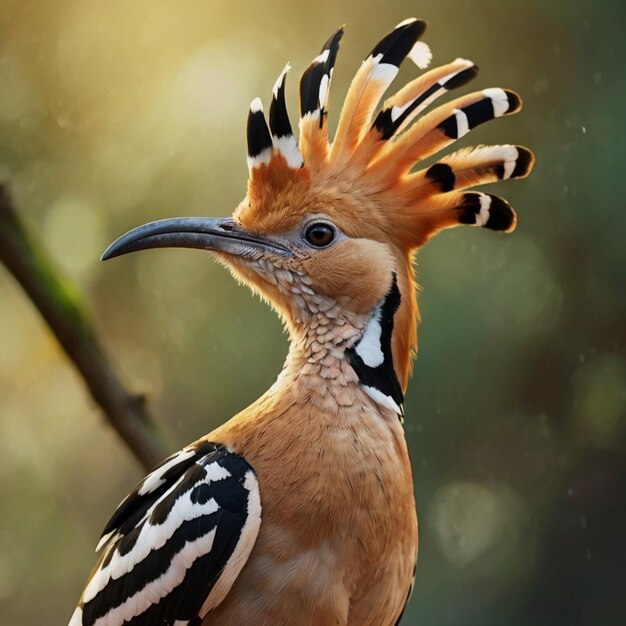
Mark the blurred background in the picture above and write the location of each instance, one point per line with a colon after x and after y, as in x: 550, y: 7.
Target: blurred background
x: 116, y: 113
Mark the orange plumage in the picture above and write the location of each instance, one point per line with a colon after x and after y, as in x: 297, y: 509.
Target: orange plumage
x: 315, y: 475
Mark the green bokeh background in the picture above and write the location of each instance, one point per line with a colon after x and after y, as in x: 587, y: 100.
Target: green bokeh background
x: 116, y: 113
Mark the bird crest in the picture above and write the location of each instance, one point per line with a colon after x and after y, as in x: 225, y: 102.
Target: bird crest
x: 368, y: 169
x: 334, y: 220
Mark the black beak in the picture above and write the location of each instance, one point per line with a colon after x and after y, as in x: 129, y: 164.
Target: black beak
x: 218, y: 234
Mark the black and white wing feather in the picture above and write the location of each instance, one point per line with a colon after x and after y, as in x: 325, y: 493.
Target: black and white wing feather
x: 176, y: 544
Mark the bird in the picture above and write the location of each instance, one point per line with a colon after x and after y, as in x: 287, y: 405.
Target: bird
x: 300, y: 509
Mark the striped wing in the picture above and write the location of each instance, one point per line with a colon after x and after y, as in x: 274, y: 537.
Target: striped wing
x: 176, y: 544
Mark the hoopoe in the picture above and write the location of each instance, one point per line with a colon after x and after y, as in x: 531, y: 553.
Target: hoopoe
x: 300, y: 509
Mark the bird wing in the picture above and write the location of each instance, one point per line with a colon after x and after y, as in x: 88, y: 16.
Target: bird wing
x: 176, y: 544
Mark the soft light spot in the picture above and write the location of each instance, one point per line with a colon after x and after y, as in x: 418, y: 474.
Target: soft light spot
x: 468, y: 520
x: 541, y: 86
x: 227, y: 62
x: 599, y: 399
x: 524, y: 294
x: 73, y: 233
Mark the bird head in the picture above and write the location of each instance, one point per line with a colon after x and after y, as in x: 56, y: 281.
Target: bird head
x: 329, y: 229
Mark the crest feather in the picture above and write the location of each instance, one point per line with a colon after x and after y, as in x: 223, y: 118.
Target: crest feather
x: 314, y: 94
x: 283, y: 138
x: 259, y: 138
x: 375, y: 154
x: 369, y: 84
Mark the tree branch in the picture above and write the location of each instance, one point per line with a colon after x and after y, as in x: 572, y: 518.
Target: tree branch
x: 60, y: 307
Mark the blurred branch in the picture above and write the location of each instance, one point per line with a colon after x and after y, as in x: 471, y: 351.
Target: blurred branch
x: 62, y: 310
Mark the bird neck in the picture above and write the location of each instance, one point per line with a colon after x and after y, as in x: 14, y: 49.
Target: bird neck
x: 340, y: 355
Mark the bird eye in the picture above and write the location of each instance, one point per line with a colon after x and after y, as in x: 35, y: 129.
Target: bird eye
x: 319, y: 234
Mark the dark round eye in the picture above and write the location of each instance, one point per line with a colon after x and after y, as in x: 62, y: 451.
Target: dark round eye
x: 319, y: 234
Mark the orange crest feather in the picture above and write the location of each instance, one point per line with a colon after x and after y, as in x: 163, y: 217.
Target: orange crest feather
x: 367, y: 168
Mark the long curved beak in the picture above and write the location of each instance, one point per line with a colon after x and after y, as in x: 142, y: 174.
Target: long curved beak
x: 218, y: 234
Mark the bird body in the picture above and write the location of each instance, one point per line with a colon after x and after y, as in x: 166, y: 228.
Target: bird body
x: 300, y: 509
x: 339, y: 526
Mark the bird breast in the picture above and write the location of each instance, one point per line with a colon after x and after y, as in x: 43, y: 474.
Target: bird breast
x: 338, y: 509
